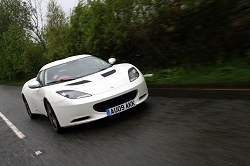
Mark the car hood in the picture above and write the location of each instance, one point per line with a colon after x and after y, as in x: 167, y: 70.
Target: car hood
x: 109, y: 79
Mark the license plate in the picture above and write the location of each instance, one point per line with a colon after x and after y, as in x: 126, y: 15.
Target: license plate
x: 119, y: 108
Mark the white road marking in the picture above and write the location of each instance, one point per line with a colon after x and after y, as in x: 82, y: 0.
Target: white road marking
x: 38, y: 153
x: 18, y: 132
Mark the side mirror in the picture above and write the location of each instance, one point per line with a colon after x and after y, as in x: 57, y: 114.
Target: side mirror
x: 112, y: 61
x: 34, y: 84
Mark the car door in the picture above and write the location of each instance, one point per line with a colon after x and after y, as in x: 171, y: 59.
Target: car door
x: 38, y: 94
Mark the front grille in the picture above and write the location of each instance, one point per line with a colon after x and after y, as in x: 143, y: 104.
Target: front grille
x: 101, y: 107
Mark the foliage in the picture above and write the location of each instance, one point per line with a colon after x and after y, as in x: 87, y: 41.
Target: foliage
x: 55, y: 31
x: 173, y: 35
x: 15, y: 21
x: 97, y: 30
x: 14, y: 12
x: 10, y: 54
x: 235, y: 71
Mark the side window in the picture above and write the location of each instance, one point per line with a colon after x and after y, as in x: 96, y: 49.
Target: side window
x: 40, y: 77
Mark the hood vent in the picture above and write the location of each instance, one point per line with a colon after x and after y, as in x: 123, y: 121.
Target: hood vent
x: 80, y: 82
x: 109, y: 73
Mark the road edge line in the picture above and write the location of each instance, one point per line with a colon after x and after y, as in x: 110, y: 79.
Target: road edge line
x: 13, y: 127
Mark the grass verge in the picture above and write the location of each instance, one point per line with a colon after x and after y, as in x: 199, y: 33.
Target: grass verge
x: 13, y: 82
x: 230, y: 74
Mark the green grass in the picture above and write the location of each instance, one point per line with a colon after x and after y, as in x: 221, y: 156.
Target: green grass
x: 237, y: 71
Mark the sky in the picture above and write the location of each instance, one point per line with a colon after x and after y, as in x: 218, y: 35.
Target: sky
x: 67, y: 5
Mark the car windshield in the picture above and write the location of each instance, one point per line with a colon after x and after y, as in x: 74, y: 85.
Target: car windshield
x: 74, y: 69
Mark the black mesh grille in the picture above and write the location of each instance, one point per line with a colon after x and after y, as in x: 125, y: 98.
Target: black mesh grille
x: 101, y: 107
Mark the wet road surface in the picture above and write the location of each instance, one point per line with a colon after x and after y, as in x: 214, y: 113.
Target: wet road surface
x: 176, y: 127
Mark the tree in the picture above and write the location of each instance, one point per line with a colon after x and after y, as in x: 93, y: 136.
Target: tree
x: 14, y: 12
x: 56, y: 32
x: 15, y: 23
x: 12, y: 61
x: 37, y: 20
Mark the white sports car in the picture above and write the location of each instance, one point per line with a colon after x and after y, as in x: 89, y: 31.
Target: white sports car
x: 81, y: 89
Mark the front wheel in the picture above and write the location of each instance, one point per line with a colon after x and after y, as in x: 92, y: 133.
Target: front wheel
x: 52, y: 118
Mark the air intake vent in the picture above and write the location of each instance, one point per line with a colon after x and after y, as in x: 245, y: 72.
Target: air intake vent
x: 80, y: 82
x: 108, y: 73
x: 80, y: 119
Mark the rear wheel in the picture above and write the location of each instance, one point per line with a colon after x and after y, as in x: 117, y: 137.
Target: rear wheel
x: 52, y: 118
x: 31, y: 115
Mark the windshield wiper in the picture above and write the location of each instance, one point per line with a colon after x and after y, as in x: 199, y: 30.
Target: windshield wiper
x: 62, y: 80
x: 67, y: 79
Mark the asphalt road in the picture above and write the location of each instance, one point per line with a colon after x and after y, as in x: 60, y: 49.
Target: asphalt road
x: 173, y: 128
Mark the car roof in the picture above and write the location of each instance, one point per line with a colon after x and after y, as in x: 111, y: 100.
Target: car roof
x: 61, y: 61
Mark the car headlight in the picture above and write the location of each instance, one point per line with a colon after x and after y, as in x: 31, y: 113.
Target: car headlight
x: 71, y: 94
x: 133, y: 74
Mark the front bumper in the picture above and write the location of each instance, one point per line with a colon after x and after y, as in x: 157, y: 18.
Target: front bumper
x: 72, y: 112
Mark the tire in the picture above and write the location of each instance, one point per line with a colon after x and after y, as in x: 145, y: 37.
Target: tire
x: 31, y: 115
x: 52, y: 118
